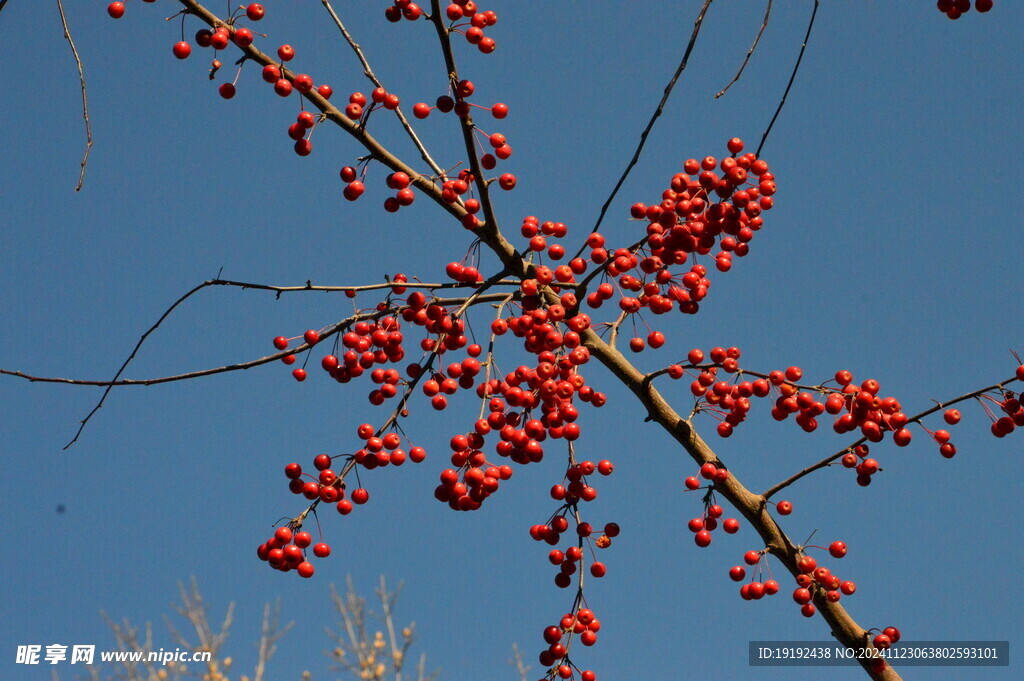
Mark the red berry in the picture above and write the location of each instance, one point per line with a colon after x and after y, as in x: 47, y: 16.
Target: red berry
x: 280, y: 342
x: 226, y: 90
x: 271, y: 73
x: 116, y: 10
x: 243, y: 37
x: 784, y: 507
x: 305, y: 569
x: 837, y: 549
x: 255, y: 11
x: 303, y: 83
x: 360, y: 496
x: 182, y: 50
x: 952, y: 416
x: 321, y: 550
x: 299, y: 374
x: 285, y: 53
x: 220, y: 38
x: 283, y: 87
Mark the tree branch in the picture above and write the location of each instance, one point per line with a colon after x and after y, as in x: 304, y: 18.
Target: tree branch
x: 753, y: 507
x: 914, y: 419
x: 654, y: 117
x: 764, y: 25
x: 490, y: 226
x: 368, y: 72
x: 792, y: 77
x: 85, y: 97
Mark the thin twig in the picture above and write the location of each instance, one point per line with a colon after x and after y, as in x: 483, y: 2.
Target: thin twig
x: 792, y: 77
x: 330, y: 331
x: 113, y: 381
x: 764, y: 24
x: 308, y: 286
x: 368, y: 72
x: 85, y: 97
x: 473, y: 299
x: 654, y: 117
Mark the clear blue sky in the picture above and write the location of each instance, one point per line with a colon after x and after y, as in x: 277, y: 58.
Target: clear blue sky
x: 894, y: 251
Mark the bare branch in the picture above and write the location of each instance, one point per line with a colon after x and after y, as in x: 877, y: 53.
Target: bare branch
x: 85, y: 97
x: 475, y: 298
x: 792, y: 77
x: 764, y: 24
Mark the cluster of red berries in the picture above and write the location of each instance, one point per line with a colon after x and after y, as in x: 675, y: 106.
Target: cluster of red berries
x: 552, y: 386
x: 539, y: 234
x: 864, y: 465
x: 479, y: 478
x: 695, y: 215
x: 855, y: 407
x: 446, y: 104
x: 580, y: 621
x: 272, y: 75
x: 378, y: 452
x: 403, y: 9
x: 954, y: 8
x: 241, y: 36
x: 567, y: 560
x: 558, y: 638
x: 302, y: 129
x: 326, y: 486
x: 1010, y: 405
x: 452, y: 192
x: 703, y: 526
x: 286, y: 550
x: 478, y: 21
x: 367, y: 344
x: 885, y: 638
x: 810, y: 578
